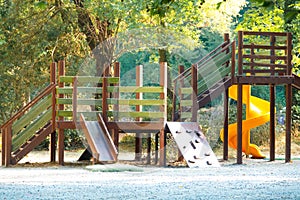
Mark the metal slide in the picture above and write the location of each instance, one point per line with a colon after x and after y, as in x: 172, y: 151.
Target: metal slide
x: 99, y: 140
x: 192, y: 144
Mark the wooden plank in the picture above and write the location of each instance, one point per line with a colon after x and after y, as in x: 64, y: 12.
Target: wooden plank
x: 186, y: 102
x: 64, y: 90
x: 68, y: 101
x: 265, y: 57
x: 32, y: 114
x: 134, y: 89
x: 25, y: 135
x: 264, y: 80
x: 134, y: 126
x: 188, y: 90
x: 264, y: 72
x: 88, y: 79
x: 249, y: 46
x: 138, y: 114
x: 64, y: 113
x: 65, y: 101
x: 142, y: 102
x: 69, y: 90
x: 256, y: 64
x: 69, y: 113
x: 264, y: 33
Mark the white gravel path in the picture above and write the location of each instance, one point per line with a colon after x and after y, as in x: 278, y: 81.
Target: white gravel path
x: 256, y: 179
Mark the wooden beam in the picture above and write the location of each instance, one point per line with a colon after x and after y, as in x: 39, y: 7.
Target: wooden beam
x: 61, y: 136
x: 288, y: 122
x: 240, y: 124
x: 53, y: 80
x: 138, y: 108
x: 225, y: 127
x: 272, y: 122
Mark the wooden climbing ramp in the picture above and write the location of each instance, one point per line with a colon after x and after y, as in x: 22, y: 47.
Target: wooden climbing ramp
x: 192, y: 144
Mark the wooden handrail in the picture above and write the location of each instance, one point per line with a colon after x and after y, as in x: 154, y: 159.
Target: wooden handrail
x: 42, y: 94
x: 221, y: 47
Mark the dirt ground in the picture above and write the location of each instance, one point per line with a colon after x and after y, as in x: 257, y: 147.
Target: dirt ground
x: 254, y: 179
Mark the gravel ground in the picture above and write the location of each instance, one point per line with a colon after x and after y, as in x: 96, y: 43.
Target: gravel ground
x: 255, y: 179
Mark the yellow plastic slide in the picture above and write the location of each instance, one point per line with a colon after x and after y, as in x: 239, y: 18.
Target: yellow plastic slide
x: 257, y: 113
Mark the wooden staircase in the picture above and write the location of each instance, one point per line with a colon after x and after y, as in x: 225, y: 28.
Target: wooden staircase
x: 213, y: 92
x: 204, y: 81
x: 29, y: 127
x: 30, y: 144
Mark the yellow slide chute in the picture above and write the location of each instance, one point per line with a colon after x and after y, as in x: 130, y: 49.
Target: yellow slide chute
x: 257, y: 113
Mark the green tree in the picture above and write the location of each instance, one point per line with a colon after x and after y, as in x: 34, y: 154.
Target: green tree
x: 34, y: 33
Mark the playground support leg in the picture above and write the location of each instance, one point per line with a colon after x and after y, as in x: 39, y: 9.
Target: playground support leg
x: 162, y: 146
x: 156, y: 148
x: 239, y: 124
x: 149, y: 148
x: 288, y: 123
x: 115, y: 136
x: 272, y: 122
x: 8, y: 142
x: 3, y: 146
x: 225, y: 142
x: 138, y: 146
x: 61, y: 146
x: 52, y: 146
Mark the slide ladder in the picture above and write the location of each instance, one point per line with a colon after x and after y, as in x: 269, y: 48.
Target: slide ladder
x: 100, y: 143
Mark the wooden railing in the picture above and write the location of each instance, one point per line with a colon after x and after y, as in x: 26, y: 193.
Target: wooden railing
x: 203, y: 74
x: 94, y: 95
x: 26, y: 122
x: 264, y: 53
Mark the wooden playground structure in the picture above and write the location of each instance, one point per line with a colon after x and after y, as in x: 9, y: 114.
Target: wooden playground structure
x: 67, y: 99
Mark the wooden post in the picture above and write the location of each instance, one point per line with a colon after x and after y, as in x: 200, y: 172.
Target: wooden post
x: 240, y: 53
x: 194, y: 93
x: 138, y: 108
x: 8, y: 141
x: 61, y: 136
x: 115, y: 133
x: 233, y: 61
x: 272, y: 122
x: 272, y: 101
x: 156, y: 148
x: 53, y: 80
x: 163, y: 83
x: 181, y: 85
x: 148, y: 148
x: 240, y: 124
x: 3, y: 156
x: 104, y: 99
x: 288, y: 97
x: 225, y: 128
x: 162, y: 141
x: 240, y: 100
x: 74, y: 100
x: 289, y: 54
x: 288, y: 123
